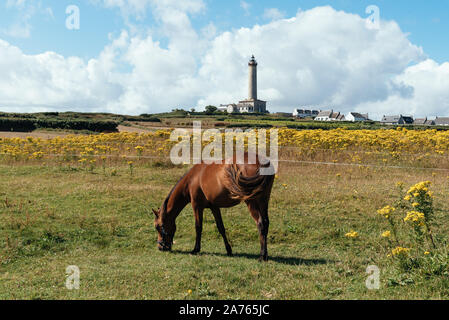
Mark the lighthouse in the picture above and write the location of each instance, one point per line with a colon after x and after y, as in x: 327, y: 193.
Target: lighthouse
x: 252, y: 79
x: 251, y: 104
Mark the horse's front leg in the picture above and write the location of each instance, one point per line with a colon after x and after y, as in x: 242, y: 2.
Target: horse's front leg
x: 198, y: 212
x: 219, y: 221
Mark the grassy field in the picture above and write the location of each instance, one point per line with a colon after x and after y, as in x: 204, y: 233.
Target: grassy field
x: 59, y: 215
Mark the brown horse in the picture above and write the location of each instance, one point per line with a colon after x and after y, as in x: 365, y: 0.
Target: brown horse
x: 217, y: 186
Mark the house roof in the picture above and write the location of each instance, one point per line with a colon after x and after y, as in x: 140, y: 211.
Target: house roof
x: 359, y: 115
x: 420, y: 121
x: 391, y: 118
x: 408, y: 119
x: 334, y: 115
x: 442, y: 121
x: 326, y: 113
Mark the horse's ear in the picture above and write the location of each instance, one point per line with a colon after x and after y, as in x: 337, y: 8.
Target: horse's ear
x: 156, y: 213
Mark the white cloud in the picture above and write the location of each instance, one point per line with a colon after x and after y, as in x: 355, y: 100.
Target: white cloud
x: 245, y: 6
x: 50, y: 81
x: 273, y: 14
x: 15, y: 3
x: 139, y: 8
x: 24, y: 11
x: 18, y: 30
x: 428, y: 95
x: 320, y: 57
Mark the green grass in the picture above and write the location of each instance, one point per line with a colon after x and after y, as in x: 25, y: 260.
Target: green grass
x: 52, y: 217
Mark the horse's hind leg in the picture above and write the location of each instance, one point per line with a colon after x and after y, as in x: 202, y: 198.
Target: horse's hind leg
x: 259, y: 212
x: 219, y: 221
x: 198, y: 212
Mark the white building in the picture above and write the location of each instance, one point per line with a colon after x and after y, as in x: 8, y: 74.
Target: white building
x: 442, y: 121
x: 355, y: 117
x: 229, y: 108
x: 305, y: 113
x: 330, y: 115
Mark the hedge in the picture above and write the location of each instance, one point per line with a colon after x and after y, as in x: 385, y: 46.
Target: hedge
x: 141, y: 119
x: 91, y: 125
x: 16, y: 124
x: 27, y: 125
x: 249, y: 125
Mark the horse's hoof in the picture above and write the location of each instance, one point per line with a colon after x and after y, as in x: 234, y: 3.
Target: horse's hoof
x: 263, y: 259
x: 194, y: 252
x: 230, y: 254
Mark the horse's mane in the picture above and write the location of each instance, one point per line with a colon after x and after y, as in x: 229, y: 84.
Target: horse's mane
x: 245, y: 188
x: 164, y: 205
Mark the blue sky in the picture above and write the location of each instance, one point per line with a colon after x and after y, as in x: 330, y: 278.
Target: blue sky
x: 139, y: 56
x: 427, y: 22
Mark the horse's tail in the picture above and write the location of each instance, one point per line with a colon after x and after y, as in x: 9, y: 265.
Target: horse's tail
x: 246, y: 188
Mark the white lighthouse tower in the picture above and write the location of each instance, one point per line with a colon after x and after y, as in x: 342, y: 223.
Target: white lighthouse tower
x: 252, y: 79
x: 252, y: 104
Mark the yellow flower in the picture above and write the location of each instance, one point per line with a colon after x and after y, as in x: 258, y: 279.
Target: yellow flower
x: 386, y: 234
x: 386, y: 211
x: 415, y: 217
x: 420, y: 188
x: 399, y: 251
x: 415, y: 204
x: 352, y: 234
x: 427, y: 252
x: 189, y: 291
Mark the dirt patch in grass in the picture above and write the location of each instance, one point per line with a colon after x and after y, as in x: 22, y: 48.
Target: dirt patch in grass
x: 35, y: 134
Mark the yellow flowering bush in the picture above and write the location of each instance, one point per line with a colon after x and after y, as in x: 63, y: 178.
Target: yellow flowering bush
x: 87, y: 148
x: 411, y: 222
x: 429, y: 148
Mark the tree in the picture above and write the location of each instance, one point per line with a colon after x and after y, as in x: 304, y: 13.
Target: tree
x: 211, y: 109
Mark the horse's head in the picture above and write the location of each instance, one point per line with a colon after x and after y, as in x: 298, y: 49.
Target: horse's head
x: 165, y: 231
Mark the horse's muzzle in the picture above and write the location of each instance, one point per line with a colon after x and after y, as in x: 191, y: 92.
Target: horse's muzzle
x: 164, y: 247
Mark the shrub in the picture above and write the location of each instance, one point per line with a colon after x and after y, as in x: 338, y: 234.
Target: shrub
x: 91, y: 125
x: 30, y: 124
x: 16, y: 124
x: 411, y: 242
